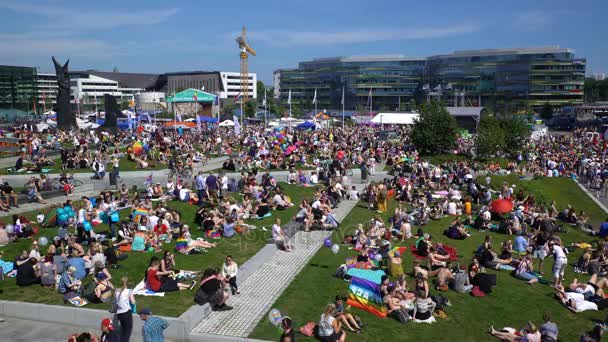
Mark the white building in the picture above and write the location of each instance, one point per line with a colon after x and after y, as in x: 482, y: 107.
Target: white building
x: 89, y: 90
x: 231, y: 85
x: 150, y: 101
x: 47, y: 90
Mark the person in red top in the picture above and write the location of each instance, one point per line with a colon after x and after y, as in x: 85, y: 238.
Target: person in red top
x: 155, y: 283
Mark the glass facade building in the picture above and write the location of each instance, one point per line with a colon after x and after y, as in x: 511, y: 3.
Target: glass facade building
x: 18, y: 90
x: 392, y: 79
x: 510, y: 79
x: 513, y: 80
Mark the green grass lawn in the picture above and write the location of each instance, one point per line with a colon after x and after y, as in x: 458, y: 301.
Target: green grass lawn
x: 241, y: 247
x: 512, y: 303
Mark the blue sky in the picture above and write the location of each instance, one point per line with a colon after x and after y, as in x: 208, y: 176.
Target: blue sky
x: 163, y: 36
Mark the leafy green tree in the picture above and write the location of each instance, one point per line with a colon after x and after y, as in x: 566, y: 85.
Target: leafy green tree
x: 115, y: 69
x: 547, y: 111
x: 249, y: 109
x: 228, y: 108
x: 490, y: 137
x: 516, y: 132
x: 260, y: 91
x: 411, y: 105
x: 435, y: 130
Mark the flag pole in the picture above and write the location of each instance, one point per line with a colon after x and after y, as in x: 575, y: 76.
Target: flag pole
x: 315, y: 113
x: 343, y: 101
x: 265, y: 108
x: 241, y: 111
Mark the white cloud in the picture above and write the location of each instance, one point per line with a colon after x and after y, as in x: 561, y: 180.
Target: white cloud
x: 82, y: 20
x: 531, y: 20
x: 310, y: 38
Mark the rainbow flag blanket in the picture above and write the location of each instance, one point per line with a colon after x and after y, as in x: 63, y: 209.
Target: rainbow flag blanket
x: 364, y: 293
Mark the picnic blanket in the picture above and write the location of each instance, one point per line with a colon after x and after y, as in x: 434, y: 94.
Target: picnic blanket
x: 449, y: 249
x: 364, y: 292
x: 141, y: 290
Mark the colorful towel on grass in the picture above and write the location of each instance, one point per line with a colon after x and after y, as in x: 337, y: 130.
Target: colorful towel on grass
x: 213, y: 234
x: 375, y: 276
x: 141, y: 290
x: 364, y: 293
x: 449, y: 249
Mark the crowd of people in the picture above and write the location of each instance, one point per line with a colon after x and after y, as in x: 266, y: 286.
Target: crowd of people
x: 80, y: 260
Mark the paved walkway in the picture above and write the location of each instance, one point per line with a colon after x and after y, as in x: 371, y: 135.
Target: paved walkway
x: 262, y: 287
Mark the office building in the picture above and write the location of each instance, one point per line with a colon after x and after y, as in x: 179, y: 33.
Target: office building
x: 392, y: 79
x: 47, y: 90
x: 513, y: 80
x: 18, y: 91
x: 508, y: 79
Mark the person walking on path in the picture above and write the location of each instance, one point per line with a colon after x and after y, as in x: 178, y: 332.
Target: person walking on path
x: 153, y: 328
x: 123, y: 297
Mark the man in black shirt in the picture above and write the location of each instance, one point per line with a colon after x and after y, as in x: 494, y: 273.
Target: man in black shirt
x: 19, y: 162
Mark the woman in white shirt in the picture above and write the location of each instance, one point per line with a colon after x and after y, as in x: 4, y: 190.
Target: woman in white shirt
x: 330, y: 329
x: 229, y: 272
x: 123, y: 299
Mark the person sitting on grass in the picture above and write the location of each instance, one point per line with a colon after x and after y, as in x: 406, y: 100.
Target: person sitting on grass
x: 330, y: 329
x: 457, y: 231
x: 525, y: 269
x: 103, y: 289
x: 156, y: 282
x: 27, y: 269
x: 345, y: 317
x: 69, y: 286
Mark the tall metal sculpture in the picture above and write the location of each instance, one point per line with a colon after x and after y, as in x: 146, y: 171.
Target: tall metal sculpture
x: 112, y: 111
x: 65, y: 119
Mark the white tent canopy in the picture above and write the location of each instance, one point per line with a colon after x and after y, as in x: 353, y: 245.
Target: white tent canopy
x: 226, y: 123
x: 395, y: 118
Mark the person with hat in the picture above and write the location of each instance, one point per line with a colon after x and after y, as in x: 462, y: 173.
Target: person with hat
x: 108, y: 333
x: 153, y: 328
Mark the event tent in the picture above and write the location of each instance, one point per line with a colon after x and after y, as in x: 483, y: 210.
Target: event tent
x: 306, y: 125
x: 395, y: 118
x: 226, y: 123
x: 190, y: 96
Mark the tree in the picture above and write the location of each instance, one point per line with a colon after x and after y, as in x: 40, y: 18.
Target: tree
x: 260, y: 93
x: 435, y: 130
x: 547, y: 111
x: 516, y: 132
x: 411, y: 106
x: 115, y: 69
x: 490, y: 137
x: 228, y: 108
x: 249, y: 109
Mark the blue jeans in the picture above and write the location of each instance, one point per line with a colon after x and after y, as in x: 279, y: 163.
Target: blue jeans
x: 200, y: 194
x: 526, y: 276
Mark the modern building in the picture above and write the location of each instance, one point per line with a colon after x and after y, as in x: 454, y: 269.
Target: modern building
x: 513, y: 80
x: 509, y: 79
x: 47, y: 90
x: 380, y: 81
x: 225, y: 84
x: 18, y: 91
x: 88, y: 91
x: 231, y: 83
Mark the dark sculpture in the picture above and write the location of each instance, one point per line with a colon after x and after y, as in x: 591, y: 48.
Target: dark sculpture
x: 112, y: 111
x: 65, y: 119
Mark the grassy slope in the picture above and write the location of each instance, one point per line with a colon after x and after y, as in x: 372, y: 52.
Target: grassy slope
x: 511, y: 304
x: 174, y: 303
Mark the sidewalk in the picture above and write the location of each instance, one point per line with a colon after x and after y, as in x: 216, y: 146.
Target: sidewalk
x: 263, y: 285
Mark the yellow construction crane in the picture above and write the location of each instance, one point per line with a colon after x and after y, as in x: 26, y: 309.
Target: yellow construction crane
x: 245, y: 49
